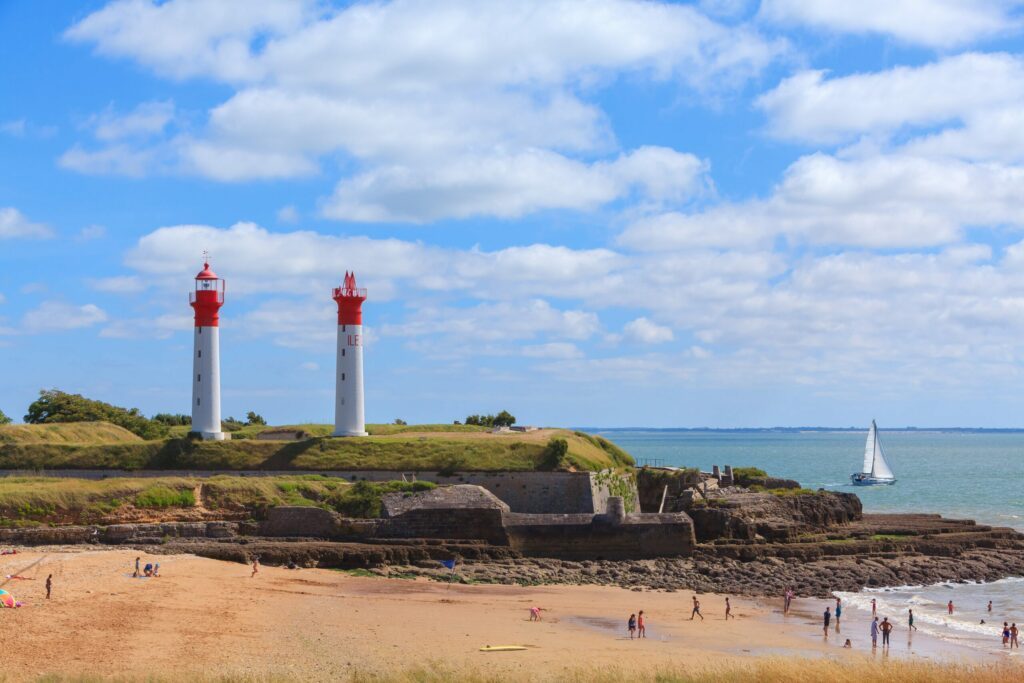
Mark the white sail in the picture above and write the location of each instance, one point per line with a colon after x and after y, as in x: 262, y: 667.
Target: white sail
x: 869, y: 449
x: 879, y: 467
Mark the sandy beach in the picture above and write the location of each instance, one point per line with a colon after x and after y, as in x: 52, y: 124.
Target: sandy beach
x: 208, y: 619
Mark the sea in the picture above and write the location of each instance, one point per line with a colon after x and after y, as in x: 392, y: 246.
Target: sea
x: 959, y: 474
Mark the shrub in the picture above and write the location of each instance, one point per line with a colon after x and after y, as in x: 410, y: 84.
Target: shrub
x: 741, y: 475
x: 4, y: 420
x: 363, y: 499
x: 54, y: 405
x: 164, y: 497
x: 554, y: 454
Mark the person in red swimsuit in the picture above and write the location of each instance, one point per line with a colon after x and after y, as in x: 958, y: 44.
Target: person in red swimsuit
x: 641, y: 630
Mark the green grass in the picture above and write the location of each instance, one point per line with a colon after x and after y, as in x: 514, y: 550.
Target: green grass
x: 68, y: 433
x: 403, y: 450
x: 890, y: 537
x: 165, y: 497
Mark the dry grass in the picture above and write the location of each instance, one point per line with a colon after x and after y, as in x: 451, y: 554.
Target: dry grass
x: 67, y: 433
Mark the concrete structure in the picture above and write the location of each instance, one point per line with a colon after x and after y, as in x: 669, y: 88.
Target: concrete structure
x: 282, y: 434
x: 207, y: 299
x: 349, y: 415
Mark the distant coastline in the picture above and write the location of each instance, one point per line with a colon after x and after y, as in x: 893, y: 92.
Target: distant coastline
x: 800, y: 430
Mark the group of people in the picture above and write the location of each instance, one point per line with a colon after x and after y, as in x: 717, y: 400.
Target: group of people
x: 638, y: 629
x: 149, y: 570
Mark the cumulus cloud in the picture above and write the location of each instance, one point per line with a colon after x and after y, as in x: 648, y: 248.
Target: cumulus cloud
x: 646, y: 331
x: 936, y: 23
x: 14, y: 224
x: 484, y: 114
x: 54, y: 316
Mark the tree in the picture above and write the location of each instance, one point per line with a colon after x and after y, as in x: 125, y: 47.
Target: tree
x: 230, y: 424
x: 504, y: 419
x: 54, y: 405
x: 253, y: 418
x: 4, y: 420
x: 400, y: 422
x: 172, y: 419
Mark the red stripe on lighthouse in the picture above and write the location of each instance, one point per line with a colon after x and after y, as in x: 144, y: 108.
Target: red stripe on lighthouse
x: 350, y: 300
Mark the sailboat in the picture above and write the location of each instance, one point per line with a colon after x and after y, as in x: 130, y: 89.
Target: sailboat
x: 875, y: 469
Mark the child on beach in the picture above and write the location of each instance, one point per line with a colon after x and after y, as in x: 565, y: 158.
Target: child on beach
x: 137, y: 561
x: 1006, y: 634
x: 874, y: 607
x: 847, y: 645
x: 1014, y: 632
x: 49, y: 585
x: 535, y: 614
x: 787, y: 598
x: 641, y: 629
x: 255, y: 565
x: 728, y: 610
x: 910, y: 620
x: 874, y: 632
x: 631, y: 625
x: 696, y: 609
x: 839, y: 613
x: 990, y: 607
x: 949, y: 607
x: 827, y: 617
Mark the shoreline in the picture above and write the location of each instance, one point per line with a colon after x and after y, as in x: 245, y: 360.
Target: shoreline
x: 208, y: 618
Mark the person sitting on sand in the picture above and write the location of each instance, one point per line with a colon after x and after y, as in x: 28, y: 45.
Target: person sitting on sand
x: 696, y: 609
x: 827, y: 618
x: 641, y: 628
x: 156, y: 569
x: 631, y: 625
x: 847, y: 645
x: 1014, y: 632
x: 886, y: 629
x: 1006, y: 634
x: 874, y: 632
x: 728, y: 610
x: 535, y: 614
x: 148, y: 570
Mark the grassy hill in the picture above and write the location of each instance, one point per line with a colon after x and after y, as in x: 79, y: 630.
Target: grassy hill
x: 390, y: 447
x: 67, y: 433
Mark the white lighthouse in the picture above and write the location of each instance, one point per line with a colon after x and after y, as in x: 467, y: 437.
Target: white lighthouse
x: 207, y: 299
x: 349, y: 418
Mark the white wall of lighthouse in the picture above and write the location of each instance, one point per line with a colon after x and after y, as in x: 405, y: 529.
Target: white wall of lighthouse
x: 349, y: 415
x: 206, y: 383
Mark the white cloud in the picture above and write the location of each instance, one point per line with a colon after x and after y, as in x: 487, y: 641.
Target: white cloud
x: 552, y: 350
x: 14, y: 224
x: 288, y: 214
x: 510, y: 186
x: 497, y: 322
x: 469, y: 118
x: 91, y: 232
x: 15, y: 128
x: 310, y: 366
x: 647, y: 331
x: 146, y: 120
x: 933, y: 23
x: 159, y: 327
x: 51, y: 316
x: 811, y: 107
x: 119, y: 284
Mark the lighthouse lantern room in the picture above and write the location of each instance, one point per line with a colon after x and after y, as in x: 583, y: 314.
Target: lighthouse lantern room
x: 206, y: 300
x: 349, y: 417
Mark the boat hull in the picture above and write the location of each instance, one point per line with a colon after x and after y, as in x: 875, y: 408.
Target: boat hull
x: 868, y: 480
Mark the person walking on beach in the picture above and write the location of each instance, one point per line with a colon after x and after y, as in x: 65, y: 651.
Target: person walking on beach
x: 138, y: 560
x: 886, y: 629
x: 1014, y: 632
x: 255, y: 566
x: 874, y: 608
x: 910, y: 620
x: 49, y: 585
x: 728, y: 610
x: 949, y: 607
x: 787, y: 598
x: 1006, y: 634
x: 696, y: 609
x: 828, y: 618
x: 641, y: 630
x: 874, y: 632
x: 631, y: 625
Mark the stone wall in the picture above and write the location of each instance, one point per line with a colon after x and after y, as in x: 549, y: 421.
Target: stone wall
x: 576, y: 537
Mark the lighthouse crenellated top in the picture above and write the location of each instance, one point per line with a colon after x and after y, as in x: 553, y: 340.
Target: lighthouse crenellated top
x: 350, y: 298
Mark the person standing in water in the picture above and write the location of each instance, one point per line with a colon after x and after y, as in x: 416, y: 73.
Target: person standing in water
x: 1006, y: 634
x: 910, y: 620
x: 990, y: 607
x: 839, y: 612
x: 641, y: 628
x: 827, y: 617
x: 1014, y: 632
x: 949, y: 608
x: 886, y: 629
x: 874, y: 632
x: 631, y: 625
x: 696, y: 609
x: 728, y: 610
x: 874, y: 608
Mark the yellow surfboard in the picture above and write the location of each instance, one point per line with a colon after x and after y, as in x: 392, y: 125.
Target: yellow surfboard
x: 502, y: 648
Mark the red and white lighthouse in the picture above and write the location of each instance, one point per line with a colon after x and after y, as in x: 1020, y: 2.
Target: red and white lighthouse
x: 207, y: 299
x: 349, y: 417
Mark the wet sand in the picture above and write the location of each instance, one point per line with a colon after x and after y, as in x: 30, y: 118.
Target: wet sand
x: 206, y: 618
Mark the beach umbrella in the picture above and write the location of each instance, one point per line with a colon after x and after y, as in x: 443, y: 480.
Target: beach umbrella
x: 6, y: 599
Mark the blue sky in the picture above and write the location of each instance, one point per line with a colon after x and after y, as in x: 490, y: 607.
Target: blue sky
x: 615, y: 213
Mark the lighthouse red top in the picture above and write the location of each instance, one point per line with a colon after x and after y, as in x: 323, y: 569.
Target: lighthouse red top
x: 350, y: 300
x: 207, y: 298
